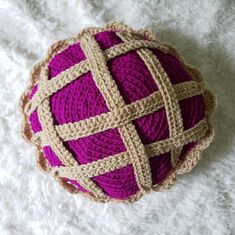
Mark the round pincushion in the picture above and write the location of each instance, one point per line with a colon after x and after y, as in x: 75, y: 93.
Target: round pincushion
x: 115, y: 113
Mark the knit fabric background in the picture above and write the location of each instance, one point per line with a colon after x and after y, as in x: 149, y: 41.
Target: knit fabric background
x: 201, y: 202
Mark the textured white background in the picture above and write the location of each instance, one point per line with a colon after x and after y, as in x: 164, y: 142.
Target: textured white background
x: 202, y: 201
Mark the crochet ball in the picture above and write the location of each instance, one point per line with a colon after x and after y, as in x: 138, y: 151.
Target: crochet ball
x: 115, y: 113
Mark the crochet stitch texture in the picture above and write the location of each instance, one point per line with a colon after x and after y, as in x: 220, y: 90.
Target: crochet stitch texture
x: 115, y: 113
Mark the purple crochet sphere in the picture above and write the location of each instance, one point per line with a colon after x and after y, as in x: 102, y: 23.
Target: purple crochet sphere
x: 82, y: 99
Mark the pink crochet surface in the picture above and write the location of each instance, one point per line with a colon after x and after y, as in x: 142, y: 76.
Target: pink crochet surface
x: 81, y: 99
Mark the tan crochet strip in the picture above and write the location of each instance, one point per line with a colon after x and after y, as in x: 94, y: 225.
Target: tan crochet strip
x: 81, y: 68
x: 168, y: 93
x: 120, y: 116
x: 52, y: 138
x: 123, y: 159
x: 173, y: 111
x: 114, y: 100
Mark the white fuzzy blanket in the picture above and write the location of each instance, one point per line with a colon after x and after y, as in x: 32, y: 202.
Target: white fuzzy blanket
x: 202, y: 202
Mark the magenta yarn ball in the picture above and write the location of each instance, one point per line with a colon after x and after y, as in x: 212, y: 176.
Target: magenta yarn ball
x: 81, y: 99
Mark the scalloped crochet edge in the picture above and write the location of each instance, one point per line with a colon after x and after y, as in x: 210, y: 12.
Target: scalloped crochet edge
x: 190, y: 160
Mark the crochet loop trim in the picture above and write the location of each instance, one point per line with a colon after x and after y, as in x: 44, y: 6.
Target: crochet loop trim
x: 120, y: 115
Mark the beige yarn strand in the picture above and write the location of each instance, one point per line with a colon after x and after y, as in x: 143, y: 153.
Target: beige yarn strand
x: 120, y: 116
x: 54, y: 141
x: 123, y: 159
x: 69, y: 75
x: 168, y: 94
x: 114, y: 100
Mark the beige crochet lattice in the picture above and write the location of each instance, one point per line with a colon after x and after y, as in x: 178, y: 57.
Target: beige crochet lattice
x: 120, y: 115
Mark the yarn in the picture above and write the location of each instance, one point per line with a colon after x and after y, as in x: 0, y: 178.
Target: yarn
x: 87, y: 109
